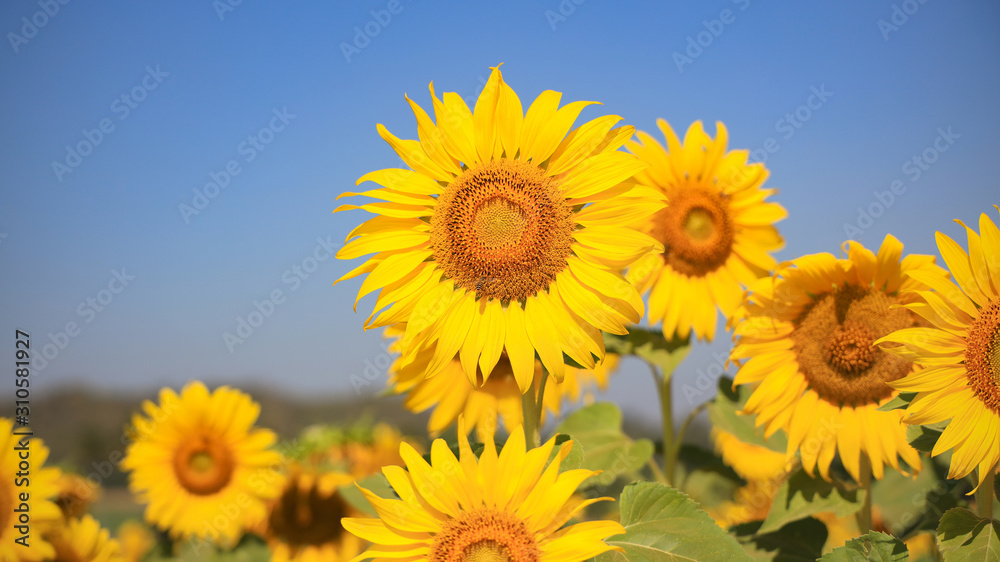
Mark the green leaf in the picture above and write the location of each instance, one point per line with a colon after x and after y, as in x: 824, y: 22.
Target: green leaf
x: 651, y: 346
x: 597, y: 429
x: 375, y: 483
x: 923, y: 437
x: 900, y: 402
x: 664, y: 524
x: 573, y: 460
x: 802, y: 495
x: 910, y: 505
x: 964, y: 537
x: 798, y: 541
x: 872, y: 546
x: 724, y: 414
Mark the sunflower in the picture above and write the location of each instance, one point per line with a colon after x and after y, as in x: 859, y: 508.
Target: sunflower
x: 806, y: 339
x: 716, y: 231
x: 451, y: 394
x: 84, y: 540
x: 507, y: 235
x: 509, y: 506
x: 76, y: 493
x: 763, y: 469
x: 303, y: 523
x: 199, y: 463
x: 751, y: 462
x: 960, y: 352
x: 136, y: 540
x: 41, y: 487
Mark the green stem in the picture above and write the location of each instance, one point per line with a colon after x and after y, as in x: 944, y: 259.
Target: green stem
x: 666, y: 412
x: 655, y: 469
x: 984, y: 497
x: 531, y: 412
x: 679, y: 439
x: 864, y: 516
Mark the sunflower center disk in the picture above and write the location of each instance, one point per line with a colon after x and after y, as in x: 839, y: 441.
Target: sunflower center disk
x: 696, y: 231
x: 503, y: 230
x: 305, y: 517
x: 982, y: 356
x: 833, y: 339
x: 203, y: 466
x: 485, y: 535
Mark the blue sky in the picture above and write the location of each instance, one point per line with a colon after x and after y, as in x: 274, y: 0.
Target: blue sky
x: 184, y: 91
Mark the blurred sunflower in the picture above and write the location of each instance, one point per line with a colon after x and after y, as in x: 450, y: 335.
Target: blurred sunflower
x: 196, y: 457
x: 84, y: 540
x: 303, y: 524
x: 751, y: 462
x: 41, y: 488
x: 763, y: 469
x: 451, y: 395
x: 76, y: 494
x: 716, y: 230
x: 136, y: 540
x: 368, y: 457
x: 960, y: 353
x: 507, y: 235
x: 806, y: 339
x: 498, y: 507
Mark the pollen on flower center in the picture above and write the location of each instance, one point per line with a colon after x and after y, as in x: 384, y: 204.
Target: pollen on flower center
x: 485, y: 535
x: 982, y: 356
x: 498, y: 224
x: 849, y: 349
x: 696, y: 232
x: 502, y: 230
x: 203, y: 466
x: 833, y: 339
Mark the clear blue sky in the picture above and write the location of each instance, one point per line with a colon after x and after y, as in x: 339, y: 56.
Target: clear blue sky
x: 197, y: 85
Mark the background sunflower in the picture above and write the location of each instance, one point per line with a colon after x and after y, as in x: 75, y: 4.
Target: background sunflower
x: 805, y: 342
x: 717, y: 229
x: 199, y: 463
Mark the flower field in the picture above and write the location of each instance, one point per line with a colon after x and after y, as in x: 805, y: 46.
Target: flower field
x: 516, y: 258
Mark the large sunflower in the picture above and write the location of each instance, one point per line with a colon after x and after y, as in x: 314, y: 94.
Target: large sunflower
x: 960, y: 353
x: 716, y: 231
x: 200, y: 464
x: 303, y: 524
x: 84, y: 540
x: 509, y: 506
x: 41, y: 487
x: 506, y: 235
x: 806, y: 339
x: 451, y: 394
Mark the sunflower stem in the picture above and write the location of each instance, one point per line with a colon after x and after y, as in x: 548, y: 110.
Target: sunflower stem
x: 679, y: 438
x: 531, y: 410
x: 984, y: 497
x: 666, y: 412
x: 864, y: 517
